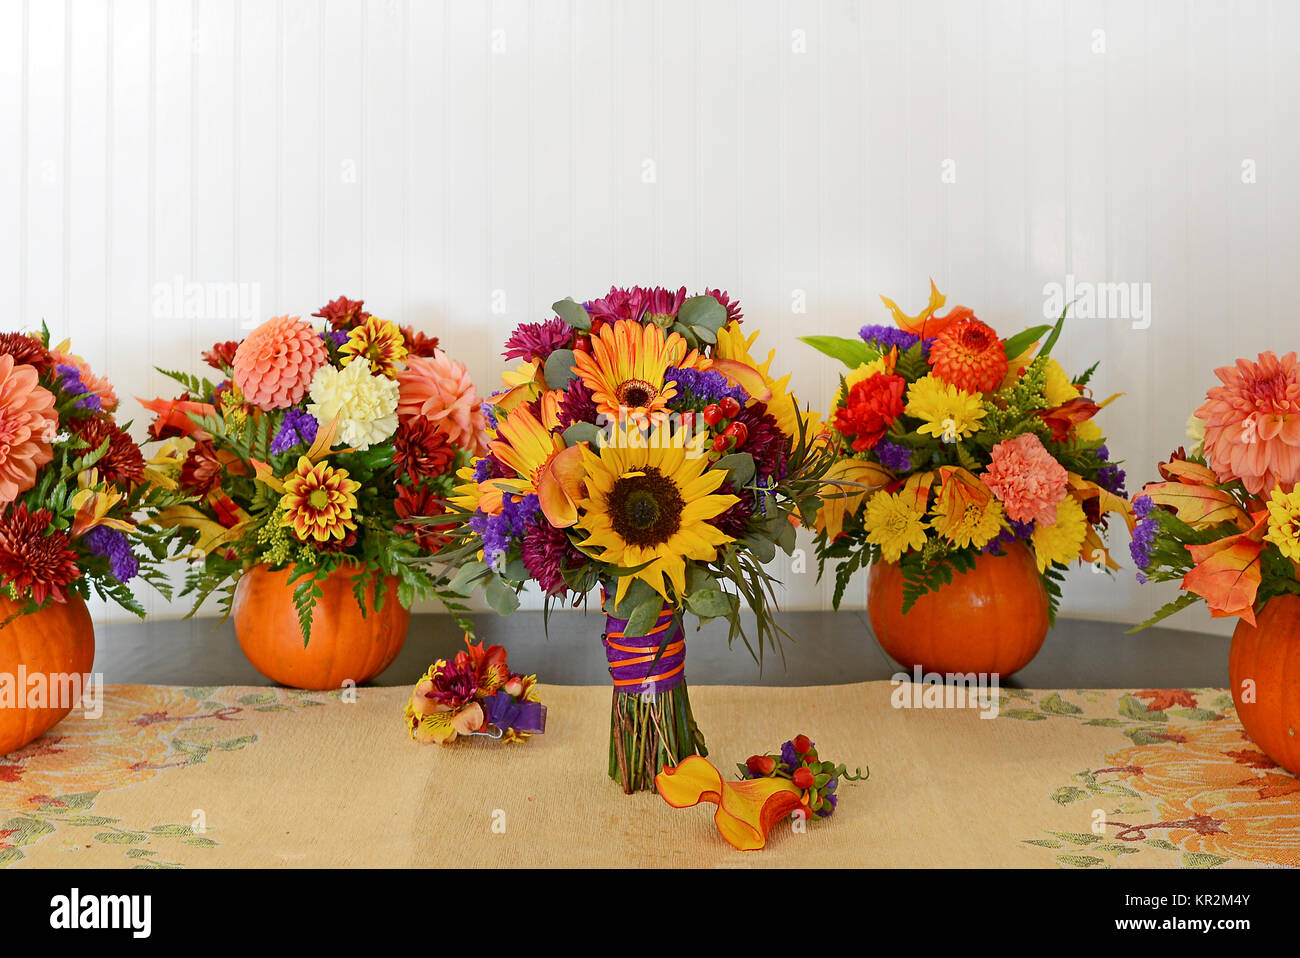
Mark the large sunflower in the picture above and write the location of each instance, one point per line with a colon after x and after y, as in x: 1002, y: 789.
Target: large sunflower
x: 651, y: 505
x: 626, y: 366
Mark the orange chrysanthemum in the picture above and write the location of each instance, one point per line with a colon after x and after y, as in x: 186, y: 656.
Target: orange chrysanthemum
x: 626, y: 366
x: 439, y: 388
x: 28, y: 424
x: 274, y: 365
x: 1252, y: 423
x: 379, y: 341
x: 969, y: 355
x: 319, y: 501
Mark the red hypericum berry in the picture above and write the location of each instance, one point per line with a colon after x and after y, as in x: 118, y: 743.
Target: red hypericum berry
x: 596, y: 326
x: 582, y: 343
x: 713, y: 414
x: 721, y: 443
x: 802, y: 744
x: 802, y: 778
x: 739, y: 432
x: 730, y: 407
x: 761, y: 764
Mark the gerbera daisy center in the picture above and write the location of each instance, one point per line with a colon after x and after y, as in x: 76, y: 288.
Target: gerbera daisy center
x: 636, y: 393
x: 645, y: 508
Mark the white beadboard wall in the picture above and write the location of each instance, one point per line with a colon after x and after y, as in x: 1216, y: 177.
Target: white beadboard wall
x: 461, y: 165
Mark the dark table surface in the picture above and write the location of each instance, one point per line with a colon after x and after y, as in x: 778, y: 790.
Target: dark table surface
x: 830, y: 648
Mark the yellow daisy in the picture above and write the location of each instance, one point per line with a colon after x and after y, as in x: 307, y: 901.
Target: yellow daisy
x: 319, y: 501
x: 650, y: 504
x: 894, y: 525
x: 379, y: 341
x: 1284, y: 522
x: 966, y: 512
x: 1063, y: 540
x: 946, y: 412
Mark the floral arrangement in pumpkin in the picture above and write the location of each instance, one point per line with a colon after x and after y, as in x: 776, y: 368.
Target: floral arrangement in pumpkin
x: 955, y: 441
x: 316, y: 448
x: 72, y: 482
x: 475, y: 694
x: 1224, y: 519
x: 639, y: 444
x: 791, y: 783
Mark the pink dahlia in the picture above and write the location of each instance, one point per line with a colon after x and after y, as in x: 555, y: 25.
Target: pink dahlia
x: 1252, y: 423
x: 28, y: 424
x: 439, y: 388
x: 1026, y: 478
x: 274, y: 365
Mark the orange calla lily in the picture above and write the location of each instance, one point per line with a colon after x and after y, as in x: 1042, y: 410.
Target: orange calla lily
x: 745, y: 376
x: 559, y: 486
x: 746, y: 810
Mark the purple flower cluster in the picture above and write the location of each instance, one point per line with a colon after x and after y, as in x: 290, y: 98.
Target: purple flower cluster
x: 697, y: 388
x: 489, y: 467
x: 113, y: 543
x: 887, y: 337
x: 502, y: 531
x: 894, y: 457
x: 1144, y: 536
x: 297, y: 429
x: 1142, y: 506
x: 70, y: 382
x: 1110, y: 476
x: 538, y: 340
x: 334, y: 337
x: 1018, y: 532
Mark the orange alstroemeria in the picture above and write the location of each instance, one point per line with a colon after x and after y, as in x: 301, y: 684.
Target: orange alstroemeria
x: 746, y: 810
x: 1068, y: 415
x: 173, y: 417
x: 848, y: 483
x: 1227, y: 573
x: 925, y: 324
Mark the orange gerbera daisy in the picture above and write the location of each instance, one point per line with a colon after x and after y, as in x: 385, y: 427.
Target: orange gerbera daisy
x: 969, y: 355
x: 626, y: 366
x: 543, y: 464
x: 319, y: 501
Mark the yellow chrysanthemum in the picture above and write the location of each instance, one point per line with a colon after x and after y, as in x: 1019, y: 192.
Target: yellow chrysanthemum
x: 379, y: 341
x: 1063, y: 540
x: 318, y: 501
x: 651, y: 505
x: 893, y: 524
x: 881, y: 364
x: 965, y: 516
x: 1057, y: 386
x: 1087, y: 431
x: 1284, y: 522
x: 365, y: 404
x: 945, y: 411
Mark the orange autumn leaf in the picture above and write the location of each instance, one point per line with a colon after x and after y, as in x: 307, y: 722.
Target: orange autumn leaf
x: 847, y: 483
x: 1227, y: 575
x: 1158, y: 700
x: 1198, y: 506
x: 916, y: 491
x: 1068, y: 415
x: 1192, y: 473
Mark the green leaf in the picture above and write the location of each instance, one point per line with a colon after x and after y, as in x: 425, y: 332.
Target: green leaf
x: 572, y: 313
x: 97, y: 820
x: 1202, y: 860
x: 644, y: 617
x: 1161, y: 843
x: 703, y: 311
x: 705, y: 334
x: 1058, y: 706
x: 176, y: 829
x: 1055, y: 335
x: 851, y: 352
x: 637, y: 594
x: 710, y: 603
x: 1078, y: 838
x: 1132, y: 707
x: 1024, y: 714
x: 1080, y: 861
x: 119, y: 838
x: 740, y: 465
x: 587, y: 432
x: 462, y: 583
x: 1068, y: 794
x: 1018, y: 343
x: 1043, y: 842
x: 78, y: 801
x: 10, y: 855
x: 503, y: 599
x: 559, y: 368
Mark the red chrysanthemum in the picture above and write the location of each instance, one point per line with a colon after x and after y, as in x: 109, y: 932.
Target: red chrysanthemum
x: 420, y: 501
x: 764, y: 440
x: 122, y: 464
x: 546, y: 552
x: 221, y: 356
x: 32, y: 563
x: 417, y: 343
x: 871, y: 408
x: 26, y: 351
x: 969, y: 355
x: 343, y: 313
x: 202, y: 470
x: 421, y: 450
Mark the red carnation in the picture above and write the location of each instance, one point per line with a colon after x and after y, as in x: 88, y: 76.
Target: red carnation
x: 343, y: 313
x: 871, y: 408
x: 122, y: 462
x: 415, y: 501
x: 221, y: 356
x: 421, y: 449
x: 32, y: 561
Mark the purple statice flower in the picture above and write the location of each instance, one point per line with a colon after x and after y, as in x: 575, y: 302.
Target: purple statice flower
x: 490, y: 416
x: 536, y: 341
x: 113, y: 543
x: 697, y: 388
x: 1142, y: 506
x: 1144, y: 535
x: 489, y: 467
x: 894, y: 457
x: 888, y: 336
x: 789, y: 757
x: 1102, y: 453
x: 334, y: 337
x: 298, y: 428
x: 70, y: 382
x: 1142, y: 579
x: 502, y: 531
x: 1111, y: 478
x: 1017, y: 532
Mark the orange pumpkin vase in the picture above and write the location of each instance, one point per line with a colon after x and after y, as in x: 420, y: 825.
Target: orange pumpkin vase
x: 992, y: 619
x: 57, y: 641
x: 345, y: 645
x: 1264, y: 672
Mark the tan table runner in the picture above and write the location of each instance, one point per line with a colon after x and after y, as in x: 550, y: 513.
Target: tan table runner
x: 276, y: 777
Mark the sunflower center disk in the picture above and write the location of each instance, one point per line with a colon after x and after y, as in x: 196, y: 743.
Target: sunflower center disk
x: 646, y: 509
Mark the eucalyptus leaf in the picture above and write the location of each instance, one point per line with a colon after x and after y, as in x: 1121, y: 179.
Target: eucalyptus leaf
x: 703, y: 311
x: 638, y: 593
x: 711, y: 603
x: 572, y: 313
x: 705, y: 334
x: 851, y: 352
x: 582, y: 432
x: 644, y: 617
x: 740, y: 465
x: 462, y: 582
x: 559, y: 368
x: 500, y: 596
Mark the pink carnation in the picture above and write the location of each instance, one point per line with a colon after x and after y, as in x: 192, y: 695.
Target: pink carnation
x: 1027, y: 480
x: 273, y: 367
x: 439, y: 389
x: 28, y: 424
x: 1252, y: 423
